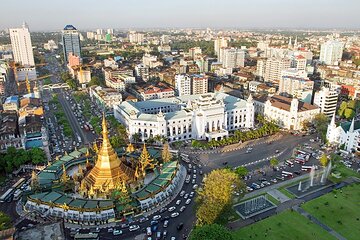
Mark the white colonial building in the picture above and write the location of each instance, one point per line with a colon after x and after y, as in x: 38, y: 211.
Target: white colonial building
x: 346, y: 134
x: 204, y: 117
x: 288, y: 113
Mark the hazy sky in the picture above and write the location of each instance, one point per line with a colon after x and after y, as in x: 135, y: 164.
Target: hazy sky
x: 85, y: 14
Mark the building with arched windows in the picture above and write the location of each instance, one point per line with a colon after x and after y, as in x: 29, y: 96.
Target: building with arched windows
x: 203, y: 117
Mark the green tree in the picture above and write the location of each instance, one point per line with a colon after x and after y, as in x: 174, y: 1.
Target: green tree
x: 342, y: 108
x: 136, y: 137
x: 321, y: 122
x: 5, y: 221
x: 241, y: 171
x: 216, y: 195
x: 211, y: 232
x: 37, y: 156
x: 274, y: 162
x: 165, y: 153
x: 349, y: 113
x: 95, y: 80
x: 323, y: 160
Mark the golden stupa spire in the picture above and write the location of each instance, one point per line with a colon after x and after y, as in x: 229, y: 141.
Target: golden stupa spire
x: 130, y: 148
x: 108, y: 167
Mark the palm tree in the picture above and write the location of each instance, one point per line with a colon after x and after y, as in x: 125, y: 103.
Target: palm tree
x: 136, y: 137
x: 158, y: 138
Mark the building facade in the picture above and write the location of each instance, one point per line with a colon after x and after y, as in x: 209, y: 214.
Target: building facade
x: 203, y: 117
x: 232, y: 57
x: 290, y: 84
x: 288, y: 113
x: 346, y: 135
x: 327, y: 100
x: 274, y: 67
x: 199, y: 84
x: 331, y: 52
x: 71, y: 42
x: 21, y: 45
x: 183, y: 85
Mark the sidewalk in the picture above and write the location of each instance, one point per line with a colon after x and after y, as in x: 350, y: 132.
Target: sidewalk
x: 238, y: 146
x: 317, y: 222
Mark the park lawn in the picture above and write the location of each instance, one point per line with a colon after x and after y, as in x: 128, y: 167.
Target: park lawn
x: 286, y: 225
x: 339, y: 210
x: 286, y: 192
x: 345, y: 173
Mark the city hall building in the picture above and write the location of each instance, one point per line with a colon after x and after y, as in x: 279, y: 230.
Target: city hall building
x: 203, y: 116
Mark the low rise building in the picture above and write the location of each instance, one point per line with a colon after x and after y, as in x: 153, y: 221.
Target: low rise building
x: 327, y: 100
x: 288, y: 113
x: 11, y: 103
x: 150, y: 91
x: 9, y: 131
x: 346, y: 135
x: 203, y: 117
x: 105, y: 98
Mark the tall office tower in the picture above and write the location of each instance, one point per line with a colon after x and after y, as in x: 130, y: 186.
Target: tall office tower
x: 135, y: 37
x: 199, y: 84
x: 327, y: 100
x: 71, y: 42
x: 193, y: 52
x: 182, y: 85
x: 331, y: 52
x: 218, y: 44
x: 274, y: 67
x: 260, y: 67
x: 110, y: 31
x: 99, y: 31
x: 21, y: 45
x: 232, y: 57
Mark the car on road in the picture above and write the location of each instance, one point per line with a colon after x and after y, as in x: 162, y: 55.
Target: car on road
x: 193, y: 181
x: 117, y: 232
x: 255, y: 186
x: 166, y: 223
x: 148, y: 231
x: 170, y: 209
x: 273, y: 180
x: 249, y: 189
x: 188, y: 201
x: 192, y: 194
x: 124, y: 225
x: 186, y: 196
x: 156, y: 217
x: 158, y: 235
x: 182, y: 208
x: 195, y: 186
x: 178, y: 202
x: 134, y: 228
x: 182, y: 193
x: 175, y: 214
x: 164, y: 234
x: 201, y: 172
x: 143, y: 219
x: 110, y: 230
x: 180, y: 226
x: 194, y: 176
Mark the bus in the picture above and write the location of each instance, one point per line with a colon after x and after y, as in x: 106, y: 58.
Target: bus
x: 300, y: 161
x: 289, y: 163
x: 6, y: 197
x: 87, y: 236
x: 17, y: 194
x: 19, y: 183
x: 287, y: 174
x: 306, y: 168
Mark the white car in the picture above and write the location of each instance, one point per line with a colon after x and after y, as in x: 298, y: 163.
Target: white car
x: 134, y: 228
x: 182, y: 193
x: 171, y: 209
x: 195, y: 186
x: 186, y: 196
x: 182, y: 208
x: 192, y: 194
x: 175, y: 214
x: 188, y: 201
x: 156, y: 217
x: 178, y: 202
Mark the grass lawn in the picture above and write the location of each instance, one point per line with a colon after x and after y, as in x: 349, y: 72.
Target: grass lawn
x: 286, y: 192
x: 339, y: 209
x: 286, y: 225
x: 272, y: 199
x: 344, y: 171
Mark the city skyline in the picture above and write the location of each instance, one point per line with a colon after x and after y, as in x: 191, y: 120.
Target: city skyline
x: 185, y: 14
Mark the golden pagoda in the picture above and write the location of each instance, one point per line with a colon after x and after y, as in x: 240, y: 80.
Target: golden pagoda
x: 130, y: 148
x: 109, y: 169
